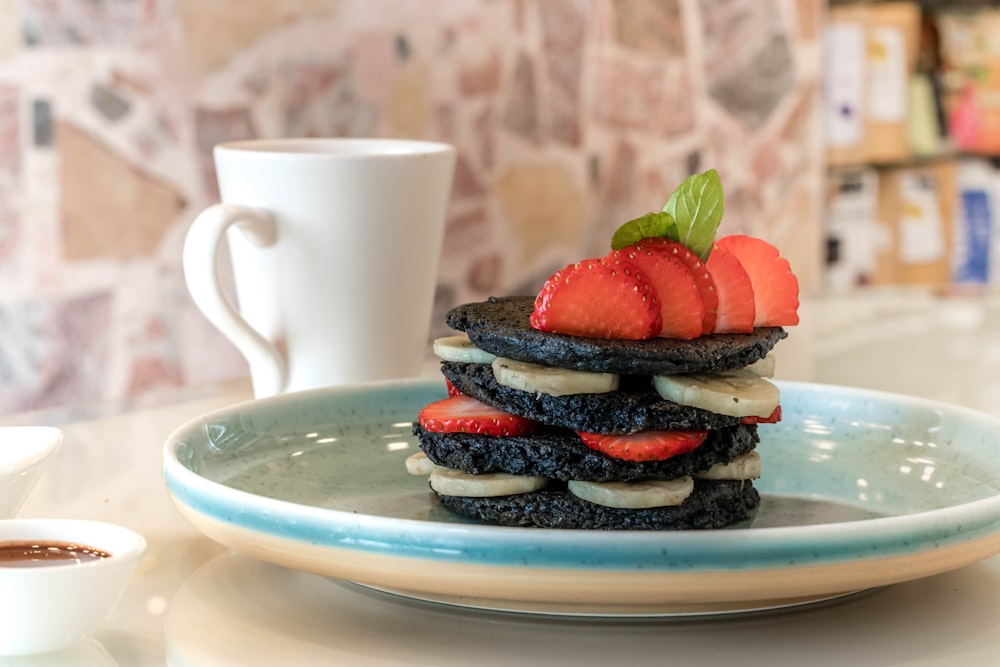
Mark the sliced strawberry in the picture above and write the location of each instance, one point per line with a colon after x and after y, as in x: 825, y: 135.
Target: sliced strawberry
x: 452, y: 389
x: 464, y: 414
x: 773, y: 418
x: 702, y: 278
x: 603, y: 297
x: 732, y: 284
x: 682, y: 310
x: 645, y: 445
x: 775, y: 287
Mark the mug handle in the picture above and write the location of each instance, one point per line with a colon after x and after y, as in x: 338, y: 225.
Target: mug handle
x: 201, y: 250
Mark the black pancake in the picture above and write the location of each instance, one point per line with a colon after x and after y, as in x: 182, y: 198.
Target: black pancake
x: 500, y: 326
x: 559, y: 454
x: 711, y: 505
x: 634, y: 407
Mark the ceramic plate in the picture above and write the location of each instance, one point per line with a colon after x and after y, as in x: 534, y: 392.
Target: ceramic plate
x: 860, y: 489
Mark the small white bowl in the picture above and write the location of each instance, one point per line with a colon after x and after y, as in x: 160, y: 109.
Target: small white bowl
x: 46, y: 608
x: 24, y: 453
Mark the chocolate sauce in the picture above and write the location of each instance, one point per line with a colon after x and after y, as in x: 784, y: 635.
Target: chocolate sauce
x: 39, y: 553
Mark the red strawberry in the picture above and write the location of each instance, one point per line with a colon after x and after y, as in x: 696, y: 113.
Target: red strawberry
x: 645, y: 445
x: 602, y: 297
x: 702, y: 278
x: 452, y: 389
x: 464, y: 414
x: 732, y: 284
x: 773, y: 418
x: 775, y: 287
x: 682, y: 310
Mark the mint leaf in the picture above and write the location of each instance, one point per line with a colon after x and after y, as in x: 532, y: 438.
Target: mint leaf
x: 647, y: 226
x: 696, y: 207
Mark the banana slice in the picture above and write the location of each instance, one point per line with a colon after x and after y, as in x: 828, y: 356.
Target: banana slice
x: 419, y: 464
x: 459, y: 348
x: 634, y: 495
x: 745, y: 466
x: 763, y: 367
x: 737, y: 393
x: 450, y: 482
x: 551, y: 380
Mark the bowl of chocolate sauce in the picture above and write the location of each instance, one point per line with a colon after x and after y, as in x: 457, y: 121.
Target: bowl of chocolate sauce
x: 59, y: 580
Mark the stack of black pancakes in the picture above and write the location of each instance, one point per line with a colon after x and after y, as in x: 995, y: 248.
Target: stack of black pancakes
x: 499, y: 327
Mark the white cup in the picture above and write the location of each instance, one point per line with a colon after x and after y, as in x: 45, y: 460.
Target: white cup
x: 334, y: 245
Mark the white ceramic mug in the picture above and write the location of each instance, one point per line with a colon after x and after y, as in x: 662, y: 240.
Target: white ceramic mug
x: 334, y: 245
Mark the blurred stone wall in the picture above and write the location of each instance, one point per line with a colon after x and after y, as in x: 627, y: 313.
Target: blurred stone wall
x: 570, y: 116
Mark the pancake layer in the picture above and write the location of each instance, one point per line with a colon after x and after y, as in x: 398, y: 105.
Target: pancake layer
x: 634, y: 407
x: 559, y: 454
x: 711, y: 505
x: 500, y: 326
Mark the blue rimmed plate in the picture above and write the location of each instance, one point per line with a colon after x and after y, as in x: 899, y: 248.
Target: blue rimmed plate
x: 860, y: 489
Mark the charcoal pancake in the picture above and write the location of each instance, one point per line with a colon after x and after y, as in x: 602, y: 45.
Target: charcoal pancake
x: 634, y: 407
x: 711, y: 505
x: 559, y: 454
x: 500, y: 326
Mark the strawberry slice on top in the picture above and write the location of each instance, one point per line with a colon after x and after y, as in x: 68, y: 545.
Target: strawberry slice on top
x: 603, y: 297
x: 464, y: 414
x: 702, y: 278
x: 645, y: 445
x: 682, y: 310
x: 736, y: 312
x: 775, y: 287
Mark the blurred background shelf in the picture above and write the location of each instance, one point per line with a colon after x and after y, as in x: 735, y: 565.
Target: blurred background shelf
x: 912, y: 135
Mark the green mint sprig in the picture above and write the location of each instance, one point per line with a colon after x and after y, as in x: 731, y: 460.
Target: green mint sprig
x: 691, y: 216
x: 648, y: 226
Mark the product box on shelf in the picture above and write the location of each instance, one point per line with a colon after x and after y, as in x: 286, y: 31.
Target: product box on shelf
x: 893, y: 33
x: 916, y: 206
x: 850, y: 220
x: 870, y: 54
x: 975, y: 238
x: 971, y: 54
x: 843, y: 80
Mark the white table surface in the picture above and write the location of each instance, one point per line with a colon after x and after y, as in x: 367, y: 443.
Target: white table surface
x: 193, y: 603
